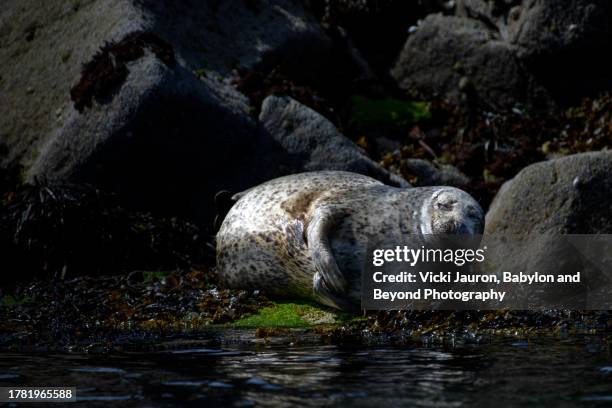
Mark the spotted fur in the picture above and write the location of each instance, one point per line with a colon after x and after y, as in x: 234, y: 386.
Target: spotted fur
x: 263, y: 241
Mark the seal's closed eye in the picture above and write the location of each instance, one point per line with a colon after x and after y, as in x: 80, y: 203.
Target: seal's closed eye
x: 445, y: 206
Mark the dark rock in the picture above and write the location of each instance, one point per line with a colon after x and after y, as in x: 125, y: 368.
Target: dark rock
x: 135, y: 97
x: 163, y: 141
x: 561, y: 43
x: 564, y: 44
x: 311, y: 142
x: 538, y: 53
x: 377, y: 28
x: 434, y: 174
x: 221, y: 36
x: 570, y: 195
x: 37, y: 75
x: 463, y: 60
x: 107, y: 69
x: 492, y: 12
x: 532, y: 214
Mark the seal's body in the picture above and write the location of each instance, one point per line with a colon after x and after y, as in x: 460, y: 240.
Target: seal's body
x: 307, y: 235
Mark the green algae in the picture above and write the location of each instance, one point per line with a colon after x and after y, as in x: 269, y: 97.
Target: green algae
x: 292, y: 315
x: 388, y: 112
x: 150, y: 276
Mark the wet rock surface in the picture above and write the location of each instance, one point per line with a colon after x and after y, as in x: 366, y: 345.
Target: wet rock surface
x: 151, y: 311
x: 86, y: 313
x: 143, y: 309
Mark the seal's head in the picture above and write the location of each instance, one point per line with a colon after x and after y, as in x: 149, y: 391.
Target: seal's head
x: 451, y: 211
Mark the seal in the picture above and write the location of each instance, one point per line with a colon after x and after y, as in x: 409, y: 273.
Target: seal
x: 306, y: 235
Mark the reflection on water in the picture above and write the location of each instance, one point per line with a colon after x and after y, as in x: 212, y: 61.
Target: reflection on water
x: 554, y: 373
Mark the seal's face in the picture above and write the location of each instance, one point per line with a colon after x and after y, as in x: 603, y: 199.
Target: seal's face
x: 452, y: 211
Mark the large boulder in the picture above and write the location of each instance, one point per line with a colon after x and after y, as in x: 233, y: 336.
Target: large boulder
x: 163, y: 141
x: 135, y: 96
x: 220, y: 36
x: 564, y: 44
x: 378, y: 28
x: 429, y: 173
x: 528, y: 223
x: 463, y: 60
x: 309, y: 142
x: 569, y: 195
x: 556, y: 40
x: 547, y: 27
x: 543, y: 53
x: 42, y: 50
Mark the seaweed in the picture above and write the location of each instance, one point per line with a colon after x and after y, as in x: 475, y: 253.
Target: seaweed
x: 108, y: 68
x: 85, y: 312
x: 105, y: 312
x: 257, y: 84
x: 491, y: 148
x: 67, y: 230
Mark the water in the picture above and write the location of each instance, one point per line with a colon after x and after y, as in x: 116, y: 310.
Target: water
x: 561, y: 373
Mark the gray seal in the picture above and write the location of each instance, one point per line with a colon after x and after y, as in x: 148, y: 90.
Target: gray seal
x: 306, y: 235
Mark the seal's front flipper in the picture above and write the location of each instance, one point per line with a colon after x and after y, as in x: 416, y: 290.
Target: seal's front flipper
x: 321, y: 223
x: 327, y: 297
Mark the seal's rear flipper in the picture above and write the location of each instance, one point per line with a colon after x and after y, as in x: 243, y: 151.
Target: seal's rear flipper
x: 321, y: 223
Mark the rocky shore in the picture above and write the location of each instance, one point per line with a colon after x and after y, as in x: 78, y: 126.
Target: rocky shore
x: 122, y: 120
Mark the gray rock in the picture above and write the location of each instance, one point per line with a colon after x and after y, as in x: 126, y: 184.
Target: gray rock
x: 540, y: 28
x: 546, y: 27
x: 220, y: 36
x: 163, y: 136
x: 42, y: 49
x: 435, y: 174
x: 473, y: 8
x: 569, y: 195
x: 495, y: 13
x: 529, y: 219
x: 463, y: 60
x: 538, y: 53
x: 564, y: 44
x: 311, y: 142
x: 377, y: 28
x: 162, y: 141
